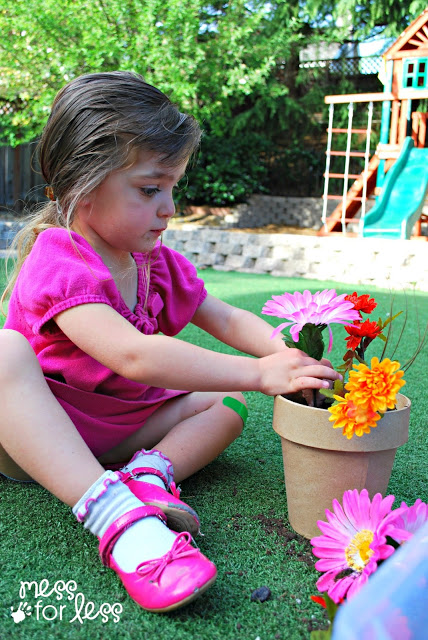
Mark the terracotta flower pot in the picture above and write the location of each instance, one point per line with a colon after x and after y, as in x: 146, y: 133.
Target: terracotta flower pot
x: 320, y: 463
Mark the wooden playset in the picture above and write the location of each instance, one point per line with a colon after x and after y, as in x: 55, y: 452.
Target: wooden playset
x: 400, y: 194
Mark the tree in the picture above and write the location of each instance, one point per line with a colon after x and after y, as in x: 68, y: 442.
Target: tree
x: 208, y: 59
x: 367, y: 19
x: 234, y: 64
x: 225, y: 61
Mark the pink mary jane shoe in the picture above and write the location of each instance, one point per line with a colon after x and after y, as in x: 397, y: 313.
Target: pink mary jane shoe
x: 180, y: 516
x: 165, y: 583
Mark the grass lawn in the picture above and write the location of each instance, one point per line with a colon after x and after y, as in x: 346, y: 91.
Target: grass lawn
x: 242, y: 505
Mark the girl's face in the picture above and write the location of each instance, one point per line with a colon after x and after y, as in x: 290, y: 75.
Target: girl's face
x: 130, y: 209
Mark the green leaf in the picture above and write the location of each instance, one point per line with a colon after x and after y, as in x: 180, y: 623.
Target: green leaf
x: 328, y: 393
x: 339, y: 387
x: 290, y: 342
x: 332, y: 607
x: 388, y: 320
x: 310, y: 340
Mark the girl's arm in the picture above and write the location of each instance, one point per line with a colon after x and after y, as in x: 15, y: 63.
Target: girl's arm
x: 237, y: 328
x: 162, y: 361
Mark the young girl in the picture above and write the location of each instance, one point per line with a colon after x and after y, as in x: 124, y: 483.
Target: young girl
x: 98, y: 299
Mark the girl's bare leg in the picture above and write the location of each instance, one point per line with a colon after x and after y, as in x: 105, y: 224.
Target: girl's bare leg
x: 38, y: 440
x: 36, y: 435
x: 39, y: 436
x: 191, y: 430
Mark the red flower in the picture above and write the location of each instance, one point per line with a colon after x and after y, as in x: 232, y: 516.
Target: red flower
x: 362, y: 303
x: 360, y: 330
x: 319, y: 600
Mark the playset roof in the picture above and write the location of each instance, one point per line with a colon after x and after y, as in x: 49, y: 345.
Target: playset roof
x: 413, y: 42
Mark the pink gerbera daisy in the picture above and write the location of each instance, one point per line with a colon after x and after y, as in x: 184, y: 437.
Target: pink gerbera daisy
x: 410, y: 520
x: 322, y: 307
x: 353, y: 542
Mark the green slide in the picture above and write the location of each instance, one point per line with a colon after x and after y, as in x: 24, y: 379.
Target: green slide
x: 403, y: 195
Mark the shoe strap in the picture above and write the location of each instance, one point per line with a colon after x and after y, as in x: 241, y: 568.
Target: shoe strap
x: 120, y: 525
x: 139, y: 471
x: 126, y: 476
x: 181, y: 548
x: 175, y: 490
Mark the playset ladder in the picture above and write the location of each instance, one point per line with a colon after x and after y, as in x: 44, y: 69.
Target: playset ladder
x: 355, y: 198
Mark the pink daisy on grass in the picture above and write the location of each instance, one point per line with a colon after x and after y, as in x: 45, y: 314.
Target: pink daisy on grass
x: 322, y: 307
x: 410, y: 520
x: 353, y: 542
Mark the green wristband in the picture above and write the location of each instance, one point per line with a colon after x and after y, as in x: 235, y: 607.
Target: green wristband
x: 236, y: 406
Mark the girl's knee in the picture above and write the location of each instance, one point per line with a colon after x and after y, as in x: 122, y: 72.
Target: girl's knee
x: 236, y: 395
x: 235, y: 401
x: 16, y: 354
x: 10, y: 339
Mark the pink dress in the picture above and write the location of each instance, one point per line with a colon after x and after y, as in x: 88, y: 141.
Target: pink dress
x: 105, y: 407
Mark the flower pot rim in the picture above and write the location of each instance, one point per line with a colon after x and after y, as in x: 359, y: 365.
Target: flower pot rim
x: 310, y: 426
x: 400, y: 398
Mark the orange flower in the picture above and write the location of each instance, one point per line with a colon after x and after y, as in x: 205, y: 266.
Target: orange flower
x: 377, y: 387
x: 352, y: 418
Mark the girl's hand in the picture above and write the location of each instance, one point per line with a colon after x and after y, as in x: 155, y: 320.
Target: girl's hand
x: 291, y: 370
x: 308, y: 394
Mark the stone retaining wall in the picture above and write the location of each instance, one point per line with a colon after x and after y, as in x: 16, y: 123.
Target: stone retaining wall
x: 8, y: 229
x: 383, y: 263
x: 261, y: 211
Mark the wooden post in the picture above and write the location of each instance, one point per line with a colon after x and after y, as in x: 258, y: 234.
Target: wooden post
x: 419, y: 127
x: 394, y: 122
x: 17, y: 202
x: 402, y: 127
x: 385, y: 121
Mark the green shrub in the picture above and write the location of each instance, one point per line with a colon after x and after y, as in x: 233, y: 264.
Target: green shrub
x: 226, y: 172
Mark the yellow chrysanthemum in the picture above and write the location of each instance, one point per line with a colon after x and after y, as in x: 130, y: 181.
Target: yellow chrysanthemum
x: 376, y: 387
x: 354, y: 419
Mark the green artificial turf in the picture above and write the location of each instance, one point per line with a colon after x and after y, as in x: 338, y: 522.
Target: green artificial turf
x: 242, y: 505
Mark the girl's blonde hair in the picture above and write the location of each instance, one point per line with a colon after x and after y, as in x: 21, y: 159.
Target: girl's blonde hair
x: 98, y: 124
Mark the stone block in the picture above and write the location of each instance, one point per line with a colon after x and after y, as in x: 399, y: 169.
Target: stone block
x: 198, y: 246
x: 283, y: 252
x: 209, y: 259
x: 238, y: 262
x: 192, y: 257
x: 228, y: 248
x: 256, y: 251
x: 267, y: 264
x: 170, y: 234
x: 218, y: 258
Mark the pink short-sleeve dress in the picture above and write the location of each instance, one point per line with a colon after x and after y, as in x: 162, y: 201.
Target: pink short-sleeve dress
x: 62, y: 272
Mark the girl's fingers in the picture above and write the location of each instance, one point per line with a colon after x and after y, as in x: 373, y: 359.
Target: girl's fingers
x: 304, y: 382
x: 318, y: 371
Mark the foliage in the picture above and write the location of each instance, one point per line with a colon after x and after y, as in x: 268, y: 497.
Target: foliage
x: 228, y: 171
x: 364, y: 19
x: 233, y: 65
x: 208, y: 59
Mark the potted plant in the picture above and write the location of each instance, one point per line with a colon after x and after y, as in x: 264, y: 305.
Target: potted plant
x: 348, y: 437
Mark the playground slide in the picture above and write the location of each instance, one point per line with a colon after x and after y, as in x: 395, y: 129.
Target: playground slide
x: 403, y: 195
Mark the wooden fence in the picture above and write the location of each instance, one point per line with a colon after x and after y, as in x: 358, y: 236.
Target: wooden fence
x: 20, y: 179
